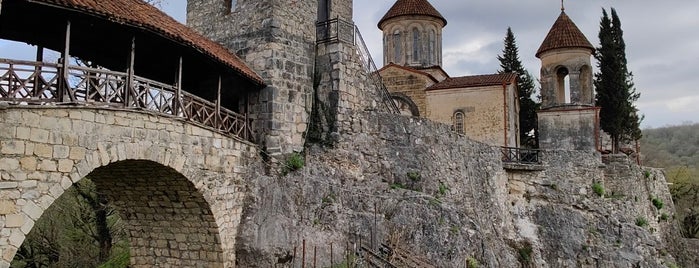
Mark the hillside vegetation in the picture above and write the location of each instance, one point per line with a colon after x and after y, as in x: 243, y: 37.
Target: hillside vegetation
x: 676, y: 149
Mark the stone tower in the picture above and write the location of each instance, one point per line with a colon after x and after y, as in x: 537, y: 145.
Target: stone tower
x: 568, y: 118
x: 412, y: 34
x: 277, y: 39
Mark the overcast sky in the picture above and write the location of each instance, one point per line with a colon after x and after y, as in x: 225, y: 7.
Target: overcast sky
x: 662, y: 39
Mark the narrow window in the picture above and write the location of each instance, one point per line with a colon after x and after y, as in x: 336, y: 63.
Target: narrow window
x: 563, y: 90
x: 396, y: 47
x: 430, y: 49
x: 230, y: 6
x: 416, y: 45
x: 459, y: 122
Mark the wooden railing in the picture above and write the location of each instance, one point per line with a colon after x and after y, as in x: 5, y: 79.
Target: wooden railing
x: 520, y: 155
x: 42, y: 83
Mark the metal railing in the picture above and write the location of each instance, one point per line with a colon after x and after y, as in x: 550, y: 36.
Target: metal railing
x: 42, y: 83
x: 520, y: 155
x: 337, y: 30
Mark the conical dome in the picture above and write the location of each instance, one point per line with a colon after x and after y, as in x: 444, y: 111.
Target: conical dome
x: 411, y: 7
x: 564, y: 34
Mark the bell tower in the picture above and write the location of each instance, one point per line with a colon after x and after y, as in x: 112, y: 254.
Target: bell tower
x: 412, y: 34
x: 568, y: 118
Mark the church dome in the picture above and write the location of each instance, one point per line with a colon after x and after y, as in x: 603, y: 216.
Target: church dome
x: 564, y: 34
x: 411, y: 7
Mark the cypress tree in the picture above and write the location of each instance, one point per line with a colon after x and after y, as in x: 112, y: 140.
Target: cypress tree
x: 615, y: 92
x: 510, y: 63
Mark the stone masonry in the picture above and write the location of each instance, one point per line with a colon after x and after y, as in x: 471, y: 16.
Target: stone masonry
x: 277, y: 39
x: 178, y: 186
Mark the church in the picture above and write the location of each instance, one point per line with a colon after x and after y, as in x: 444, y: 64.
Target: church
x: 485, y: 107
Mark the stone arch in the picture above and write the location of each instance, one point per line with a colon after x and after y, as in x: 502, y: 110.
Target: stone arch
x: 49, y: 149
x: 563, y: 85
x: 405, y: 103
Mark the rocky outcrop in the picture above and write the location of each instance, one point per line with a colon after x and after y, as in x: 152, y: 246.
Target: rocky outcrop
x: 446, y: 199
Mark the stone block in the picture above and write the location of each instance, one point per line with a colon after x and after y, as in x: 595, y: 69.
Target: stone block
x: 9, y: 164
x: 65, y: 165
x: 28, y: 163
x: 7, y: 207
x: 76, y: 153
x: 39, y: 135
x: 32, y: 210
x: 48, y: 165
x: 61, y: 151
x: 14, y: 220
x: 27, y: 226
x: 12, y: 147
x: 43, y: 150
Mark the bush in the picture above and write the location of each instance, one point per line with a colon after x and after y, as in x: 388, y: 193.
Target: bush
x: 664, y: 217
x: 293, y: 162
x: 641, y: 221
x: 472, y: 262
x: 598, y: 189
x: 657, y: 203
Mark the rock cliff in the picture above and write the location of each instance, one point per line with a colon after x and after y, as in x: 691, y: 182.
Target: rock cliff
x: 448, y: 201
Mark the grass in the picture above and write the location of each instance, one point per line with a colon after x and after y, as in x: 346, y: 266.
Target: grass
x: 443, y: 188
x: 598, y: 189
x: 657, y: 203
x: 414, y: 176
x: 525, y: 254
x: 294, y: 162
x: 641, y: 221
x: 664, y: 217
x: 471, y: 262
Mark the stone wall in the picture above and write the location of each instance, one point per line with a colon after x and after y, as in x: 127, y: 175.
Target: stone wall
x: 486, y: 119
x: 572, y: 128
x: 277, y: 39
x: 409, y: 83
x: 179, y: 187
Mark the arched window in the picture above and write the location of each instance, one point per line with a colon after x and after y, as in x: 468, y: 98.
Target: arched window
x: 416, y: 45
x: 431, y: 48
x: 563, y: 90
x: 459, y: 122
x: 230, y: 6
x: 396, y: 47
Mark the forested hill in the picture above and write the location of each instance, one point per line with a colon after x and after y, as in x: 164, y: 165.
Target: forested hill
x: 671, y: 146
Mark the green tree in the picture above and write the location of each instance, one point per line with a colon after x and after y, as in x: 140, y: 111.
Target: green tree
x: 510, y: 63
x: 614, y: 84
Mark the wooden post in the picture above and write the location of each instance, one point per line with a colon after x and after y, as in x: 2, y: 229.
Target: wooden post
x: 218, y: 105
x: 65, y: 61
x: 178, y: 91
x: 314, y: 256
x: 331, y: 255
x: 37, y: 71
x: 130, y: 73
x: 303, y: 255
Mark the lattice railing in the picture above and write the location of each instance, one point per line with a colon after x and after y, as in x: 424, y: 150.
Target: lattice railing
x: 41, y: 83
x: 520, y: 155
x: 337, y: 30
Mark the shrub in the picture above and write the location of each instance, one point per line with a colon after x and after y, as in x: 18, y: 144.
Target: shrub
x: 598, y: 189
x: 293, y: 162
x: 641, y: 221
x: 472, y: 262
x: 443, y: 188
x: 657, y: 203
x: 664, y: 217
x: 525, y: 253
x: 646, y: 173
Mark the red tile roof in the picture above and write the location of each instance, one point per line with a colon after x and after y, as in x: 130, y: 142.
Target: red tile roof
x: 475, y: 81
x: 564, y: 34
x: 137, y: 13
x: 411, y: 7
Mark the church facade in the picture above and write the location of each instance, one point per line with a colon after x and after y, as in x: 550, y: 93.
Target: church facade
x: 482, y: 107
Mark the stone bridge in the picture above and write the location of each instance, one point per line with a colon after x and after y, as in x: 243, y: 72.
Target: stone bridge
x: 178, y: 186
x: 158, y: 116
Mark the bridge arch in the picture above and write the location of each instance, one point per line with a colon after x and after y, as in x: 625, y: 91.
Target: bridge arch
x: 178, y: 186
